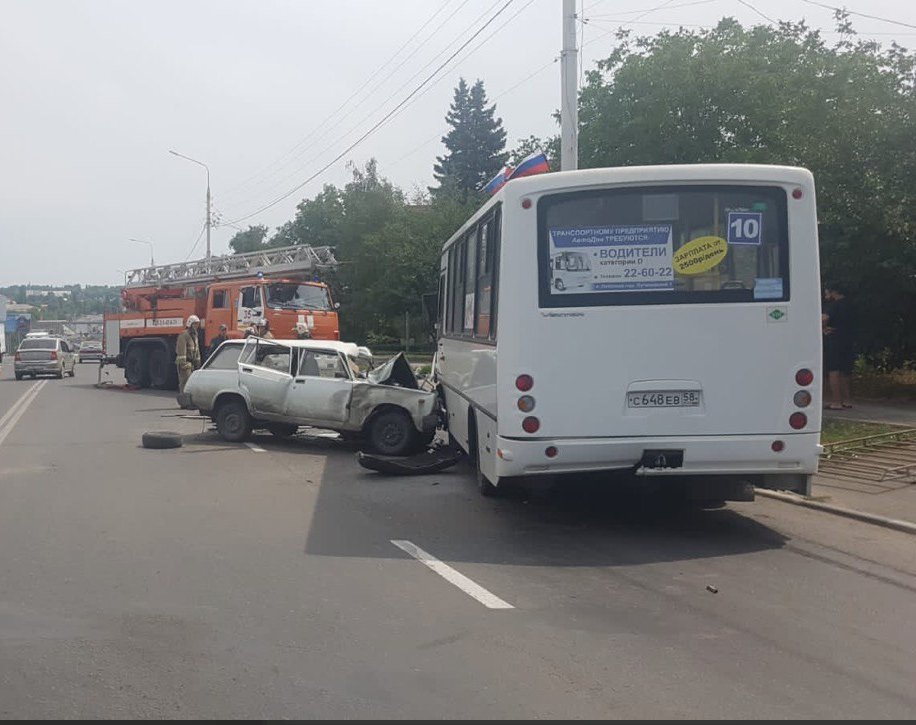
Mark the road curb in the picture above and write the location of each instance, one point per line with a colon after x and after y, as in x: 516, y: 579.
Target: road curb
x: 907, y: 527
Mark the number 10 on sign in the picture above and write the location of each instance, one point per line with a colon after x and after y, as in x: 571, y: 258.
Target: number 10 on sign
x: 745, y: 227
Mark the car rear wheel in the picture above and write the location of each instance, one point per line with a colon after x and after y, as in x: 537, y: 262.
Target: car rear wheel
x: 392, y: 433
x: 233, y: 422
x: 282, y: 430
x: 19, y: 376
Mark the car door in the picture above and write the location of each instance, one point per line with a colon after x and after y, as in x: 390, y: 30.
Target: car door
x: 321, y: 388
x: 67, y: 363
x: 264, y: 375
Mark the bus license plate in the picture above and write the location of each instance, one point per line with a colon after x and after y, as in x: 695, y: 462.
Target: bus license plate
x: 664, y: 399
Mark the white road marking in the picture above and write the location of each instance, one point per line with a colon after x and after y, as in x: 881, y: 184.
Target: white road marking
x: 466, y: 585
x: 256, y: 449
x: 18, y: 408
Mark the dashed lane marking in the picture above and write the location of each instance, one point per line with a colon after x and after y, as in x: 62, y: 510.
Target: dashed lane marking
x: 468, y: 586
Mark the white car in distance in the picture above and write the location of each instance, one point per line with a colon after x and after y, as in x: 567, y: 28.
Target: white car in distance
x: 281, y: 385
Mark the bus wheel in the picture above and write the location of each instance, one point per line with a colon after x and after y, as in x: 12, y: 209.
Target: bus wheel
x: 483, y: 483
x: 558, y: 283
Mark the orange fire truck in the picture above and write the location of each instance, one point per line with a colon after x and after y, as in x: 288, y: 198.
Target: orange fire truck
x: 278, y: 285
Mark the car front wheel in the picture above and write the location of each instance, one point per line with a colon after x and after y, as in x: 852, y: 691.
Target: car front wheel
x: 392, y: 433
x: 233, y: 422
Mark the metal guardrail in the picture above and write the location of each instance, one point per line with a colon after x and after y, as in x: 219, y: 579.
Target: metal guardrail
x: 883, y: 457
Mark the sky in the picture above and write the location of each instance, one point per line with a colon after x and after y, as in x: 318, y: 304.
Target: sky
x: 267, y: 93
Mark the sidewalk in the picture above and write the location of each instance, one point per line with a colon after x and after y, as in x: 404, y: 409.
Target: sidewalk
x: 894, y: 499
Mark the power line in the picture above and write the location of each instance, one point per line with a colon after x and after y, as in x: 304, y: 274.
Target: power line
x: 353, y: 95
x: 196, y: 241
x: 616, y: 21
x: 670, y: 7
x: 634, y: 20
x: 384, y: 103
x: 761, y: 14
x: 380, y: 122
x: 863, y: 15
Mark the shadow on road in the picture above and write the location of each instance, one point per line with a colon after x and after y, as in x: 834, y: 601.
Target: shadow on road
x: 584, y: 522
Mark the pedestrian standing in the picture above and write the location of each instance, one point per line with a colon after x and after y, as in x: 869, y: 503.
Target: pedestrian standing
x: 218, y: 340
x: 187, y: 351
x: 839, y: 355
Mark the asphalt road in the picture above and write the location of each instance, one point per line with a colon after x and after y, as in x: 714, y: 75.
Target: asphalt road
x: 223, y: 581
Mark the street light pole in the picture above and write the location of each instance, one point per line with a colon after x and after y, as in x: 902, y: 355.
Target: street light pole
x: 200, y: 163
x: 152, y: 262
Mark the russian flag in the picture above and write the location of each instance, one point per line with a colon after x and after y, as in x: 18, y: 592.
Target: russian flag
x: 532, y: 164
x: 497, y: 182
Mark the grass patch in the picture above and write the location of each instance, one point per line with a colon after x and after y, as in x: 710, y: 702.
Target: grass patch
x: 834, y: 430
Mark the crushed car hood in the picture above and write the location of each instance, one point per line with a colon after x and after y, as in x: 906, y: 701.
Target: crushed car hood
x: 396, y: 372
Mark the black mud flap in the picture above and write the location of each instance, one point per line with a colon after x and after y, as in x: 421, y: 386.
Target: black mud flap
x: 431, y: 461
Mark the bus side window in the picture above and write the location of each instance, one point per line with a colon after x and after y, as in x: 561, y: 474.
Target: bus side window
x: 484, y: 280
x: 495, y: 243
x: 469, y: 276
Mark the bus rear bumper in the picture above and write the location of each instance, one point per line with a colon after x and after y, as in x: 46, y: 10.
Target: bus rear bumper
x: 661, y: 456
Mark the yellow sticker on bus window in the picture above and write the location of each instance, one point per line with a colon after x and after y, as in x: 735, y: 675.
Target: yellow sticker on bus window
x: 699, y: 255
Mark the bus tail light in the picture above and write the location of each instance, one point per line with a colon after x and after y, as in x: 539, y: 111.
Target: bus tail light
x: 532, y: 424
x: 551, y: 451
x: 524, y: 383
x: 804, y: 377
x: 796, y: 193
x: 778, y: 446
x: 802, y: 399
x: 798, y: 420
x: 526, y: 404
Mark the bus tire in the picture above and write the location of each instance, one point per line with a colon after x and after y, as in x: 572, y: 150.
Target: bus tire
x: 483, y: 483
x: 558, y: 283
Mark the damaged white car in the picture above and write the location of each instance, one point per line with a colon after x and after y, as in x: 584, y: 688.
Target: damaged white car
x: 283, y: 384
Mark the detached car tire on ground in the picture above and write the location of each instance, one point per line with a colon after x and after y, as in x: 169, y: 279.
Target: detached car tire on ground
x: 280, y: 385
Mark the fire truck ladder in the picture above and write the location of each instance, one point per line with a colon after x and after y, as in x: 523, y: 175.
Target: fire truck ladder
x: 298, y: 258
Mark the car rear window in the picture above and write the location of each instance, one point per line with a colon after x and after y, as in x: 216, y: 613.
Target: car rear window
x: 38, y: 345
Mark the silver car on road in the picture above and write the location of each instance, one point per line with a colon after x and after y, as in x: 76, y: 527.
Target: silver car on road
x: 283, y: 384
x: 44, y: 356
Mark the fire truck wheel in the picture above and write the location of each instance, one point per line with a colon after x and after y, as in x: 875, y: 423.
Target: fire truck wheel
x: 162, y: 439
x: 135, y: 367
x: 159, y: 368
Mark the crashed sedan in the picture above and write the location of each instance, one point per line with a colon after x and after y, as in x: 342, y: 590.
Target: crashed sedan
x: 281, y: 385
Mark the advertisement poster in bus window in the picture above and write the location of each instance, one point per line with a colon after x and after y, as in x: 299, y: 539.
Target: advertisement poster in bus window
x: 620, y: 258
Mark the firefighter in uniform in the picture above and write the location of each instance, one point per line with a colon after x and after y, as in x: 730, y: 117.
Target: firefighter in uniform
x: 187, y: 351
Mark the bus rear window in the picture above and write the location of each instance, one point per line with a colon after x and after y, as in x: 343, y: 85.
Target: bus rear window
x: 663, y: 245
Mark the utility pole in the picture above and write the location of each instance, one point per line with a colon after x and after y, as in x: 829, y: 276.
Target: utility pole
x: 208, y: 214
x: 569, y: 101
x: 200, y: 163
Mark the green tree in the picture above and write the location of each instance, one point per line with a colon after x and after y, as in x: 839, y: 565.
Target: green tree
x: 249, y: 240
x: 475, y: 144
x: 527, y: 146
x: 782, y: 95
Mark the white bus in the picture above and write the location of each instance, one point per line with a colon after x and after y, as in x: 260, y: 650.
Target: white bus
x: 691, y: 351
